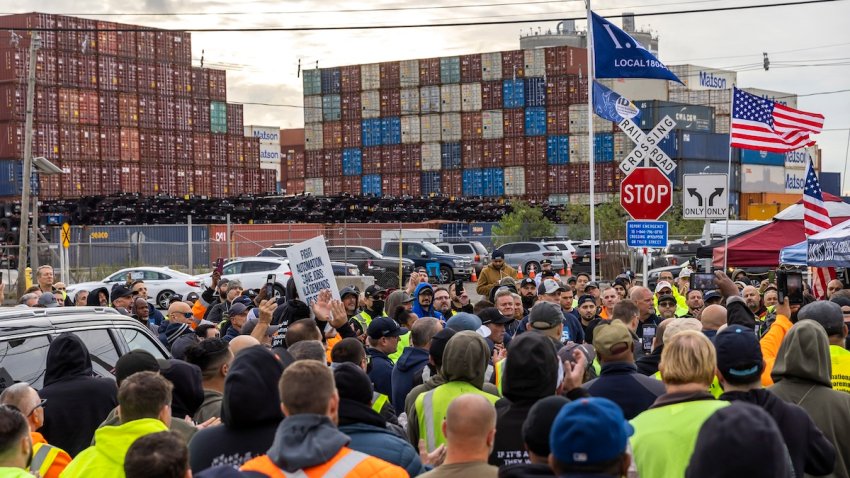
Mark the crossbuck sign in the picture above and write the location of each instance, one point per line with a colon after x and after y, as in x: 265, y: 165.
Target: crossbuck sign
x: 647, y: 146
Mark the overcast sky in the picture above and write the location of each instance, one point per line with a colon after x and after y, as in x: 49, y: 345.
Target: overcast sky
x: 262, y: 67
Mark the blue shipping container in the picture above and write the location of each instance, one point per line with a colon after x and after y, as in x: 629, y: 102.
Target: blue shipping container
x: 749, y: 156
x: 707, y: 146
x: 603, y: 147
x: 391, y: 130
x: 493, y: 180
x: 535, y: 121
x: 371, y: 129
x: 558, y: 149
x: 473, y: 182
x: 535, y: 91
x: 331, y: 81
x: 830, y: 183
x: 430, y: 183
x: 331, y: 108
x: 371, y: 184
x: 450, y: 69
x: 691, y: 166
x: 513, y: 93
x: 11, y: 172
x: 450, y: 155
x: 352, y: 162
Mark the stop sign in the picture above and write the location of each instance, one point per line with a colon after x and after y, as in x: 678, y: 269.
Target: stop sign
x: 646, y: 194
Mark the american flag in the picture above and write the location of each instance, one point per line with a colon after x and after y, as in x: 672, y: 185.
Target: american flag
x: 764, y: 125
x: 815, y: 220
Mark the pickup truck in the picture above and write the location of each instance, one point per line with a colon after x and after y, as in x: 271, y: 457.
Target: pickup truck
x: 422, y: 253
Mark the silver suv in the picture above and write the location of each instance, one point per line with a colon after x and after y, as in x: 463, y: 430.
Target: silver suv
x: 527, y: 255
x: 472, y: 250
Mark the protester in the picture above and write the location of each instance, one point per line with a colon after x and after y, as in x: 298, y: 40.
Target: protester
x: 831, y: 318
x: 832, y: 287
x: 383, y: 340
x: 712, y: 318
x: 493, y: 273
x: 371, y: 307
x: 413, y: 359
x: 15, y: 445
x: 160, y: 455
x: 610, y: 298
x: 423, y: 302
x: 494, y: 320
x: 667, y: 306
x: 213, y: 357
x: 695, y: 304
x: 469, y: 429
x: 648, y: 364
x: 647, y: 322
x: 587, y: 312
x: 535, y: 437
x: 217, y: 313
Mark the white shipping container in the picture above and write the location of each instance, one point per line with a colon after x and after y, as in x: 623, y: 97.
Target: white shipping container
x: 370, y: 76
x: 269, y: 152
x: 265, y: 133
x: 313, y: 109
x: 491, y: 66
x: 799, y: 159
x: 678, y: 96
x: 584, y: 198
x: 704, y: 78
x: 470, y: 94
x: 409, y: 101
x: 370, y: 103
x: 431, y: 157
x: 722, y: 123
x: 636, y: 89
x: 559, y: 199
x: 515, y: 181
x: 699, y: 97
x: 578, y: 121
x: 535, y: 62
x: 429, y: 99
x: 721, y: 100
x: 756, y: 178
x: 795, y: 181
x: 272, y: 167
x: 410, y: 132
x: 622, y: 146
x: 450, y: 98
x: 493, y: 125
x: 409, y: 73
x: 314, y: 186
x: 430, y: 128
x: 787, y: 99
x: 450, y: 126
x: 313, y: 136
x: 578, y: 148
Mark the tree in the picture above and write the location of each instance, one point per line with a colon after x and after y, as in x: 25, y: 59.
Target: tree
x: 523, y: 223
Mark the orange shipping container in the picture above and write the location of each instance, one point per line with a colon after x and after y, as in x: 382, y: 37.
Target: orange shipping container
x: 760, y: 212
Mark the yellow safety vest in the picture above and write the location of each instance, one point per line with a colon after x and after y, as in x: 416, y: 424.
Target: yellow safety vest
x: 431, y: 409
x: 378, y: 401
x: 714, y: 389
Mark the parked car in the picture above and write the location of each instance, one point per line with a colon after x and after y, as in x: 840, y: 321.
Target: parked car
x: 422, y: 253
x: 162, y: 283
x: 252, y: 272
x: 678, y: 253
x: 277, y: 250
x: 372, y: 263
x: 345, y: 269
x: 652, y: 275
x: 567, y: 248
x: 472, y: 250
x: 26, y: 334
x: 581, y: 263
x: 527, y: 255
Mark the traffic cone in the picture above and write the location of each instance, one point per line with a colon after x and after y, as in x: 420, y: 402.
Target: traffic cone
x: 474, y: 277
x: 569, y: 271
x: 562, y: 272
x: 531, y: 273
x: 519, y: 272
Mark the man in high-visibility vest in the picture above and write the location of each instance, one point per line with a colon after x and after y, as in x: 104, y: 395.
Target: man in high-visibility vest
x: 372, y: 306
x: 47, y: 460
x: 17, y: 446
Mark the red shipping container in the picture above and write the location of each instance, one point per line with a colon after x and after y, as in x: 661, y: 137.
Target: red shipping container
x: 351, y: 134
x: 67, y: 38
x: 536, y: 184
x: 201, y: 183
x: 332, y: 134
x: 351, y: 185
x: 351, y: 106
x: 30, y: 21
x: 130, y: 178
x: 127, y: 72
x: 371, y: 160
x: 558, y: 179
x: 251, y: 147
x: 513, y: 64
x: 167, y: 180
x: 470, y: 126
x: 130, y: 145
x: 606, y: 177
x: 390, y: 74
x: 13, y: 98
x: 182, y: 80
x: 165, y: 78
x: 149, y: 180
x: 50, y: 186
x: 535, y: 151
x: 565, y: 60
x: 391, y: 102
x: 580, y: 178
x: 514, y: 152
x: 165, y: 116
x: 12, y: 140
x: 333, y: 186
x: 200, y: 116
x: 200, y: 83
x: 411, y: 157
x: 350, y: 79
x: 452, y: 183
x: 80, y: 179
x: 578, y: 90
x: 108, y: 108
x: 235, y: 151
x: 107, y: 38
x: 557, y: 90
x: 88, y: 107
x: 201, y: 149
x: 220, y: 184
x: 173, y: 46
x: 167, y: 148
x: 514, y: 123
x: 149, y: 147
x: 126, y: 42
x: 472, y: 153
x: 493, y: 153
x: 314, y: 166
x: 218, y: 85
x: 218, y: 150
x: 491, y: 95
x: 183, y: 114
x: 332, y: 162
x: 391, y: 185
x: 14, y: 66
x: 149, y: 112
x: 294, y: 164
x: 107, y: 73
x: 146, y: 77
x: 87, y: 71
x: 46, y: 141
x: 470, y: 68
x: 235, y: 124
x: 429, y: 72
x: 110, y: 143
x: 295, y: 186
x: 87, y: 35
x: 267, y: 181
x: 184, y: 179
x: 67, y: 69
x: 69, y: 142
x: 111, y: 178
x: 128, y: 110
x: 47, y: 104
x: 391, y: 160
x: 558, y: 119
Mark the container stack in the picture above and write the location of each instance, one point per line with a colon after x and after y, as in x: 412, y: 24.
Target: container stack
x: 122, y: 111
x: 270, y: 149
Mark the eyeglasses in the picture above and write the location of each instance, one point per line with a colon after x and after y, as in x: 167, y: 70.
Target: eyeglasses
x: 41, y: 404
x: 187, y: 315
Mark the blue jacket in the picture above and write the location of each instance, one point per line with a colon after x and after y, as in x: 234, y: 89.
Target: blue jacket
x: 381, y: 371
x: 383, y: 444
x: 573, y: 331
x: 621, y: 383
x: 154, y: 316
x: 410, y: 364
x: 417, y: 307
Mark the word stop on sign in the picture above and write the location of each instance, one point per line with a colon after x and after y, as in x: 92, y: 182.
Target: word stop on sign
x: 645, y: 193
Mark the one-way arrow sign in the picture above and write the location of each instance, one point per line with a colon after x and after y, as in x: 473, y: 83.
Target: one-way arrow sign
x: 705, y: 196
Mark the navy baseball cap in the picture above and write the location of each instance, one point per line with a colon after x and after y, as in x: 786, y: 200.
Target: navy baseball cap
x: 585, y: 298
x: 589, y: 431
x: 739, y: 356
x: 384, y: 327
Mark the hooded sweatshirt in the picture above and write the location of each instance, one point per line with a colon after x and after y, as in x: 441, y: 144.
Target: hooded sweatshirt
x: 93, y: 300
x: 410, y: 364
x: 105, y: 459
x: 531, y: 373
x: 417, y: 307
x: 188, y: 393
x: 250, y: 413
x: 78, y: 401
x: 802, y: 375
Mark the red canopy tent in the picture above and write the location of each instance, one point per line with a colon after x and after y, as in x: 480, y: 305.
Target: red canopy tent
x: 760, y: 247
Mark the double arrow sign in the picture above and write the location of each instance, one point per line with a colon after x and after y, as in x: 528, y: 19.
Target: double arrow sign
x: 647, y: 146
x: 694, y: 194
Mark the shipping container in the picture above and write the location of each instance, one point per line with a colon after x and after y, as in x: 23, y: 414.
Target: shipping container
x: 218, y: 116
x: 69, y: 142
x: 89, y: 143
x: 371, y: 160
x: 565, y: 60
x: 332, y: 134
x: 473, y: 183
x: 471, y: 126
x: 697, y: 77
x: 30, y: 21
x: 558, y: 90
x: 452, y: 183
x: 450, y: 155
x: 13, y: 101
x: 406, y: 184
x: 312, y: 109
x: 11, y: 173
x: 515, y: 181
x: 535, y: 151
x: 430, y: 128
x: 429, y: 99
x: 411, y: 157
x: 370, y: 102
x: 201, y: 116
x: 183, y: 113
x: 390, y: 102
x: 351, y: 185
x: 493, y: 182
x: 623, y: 146
x: 557, y: 149
x: 578, y: 121
x: 294, y: 164
x: 165, y: 78
x: 409, y: 73
x: 513, y: 64
x: 535, y: 62
x: 391, y: 160
x: 349, y: 79
x: 331, y: 109
x: 145, y: 44
x: 218, y: 84
x: 409, y: 101
x: 69, y: 105
x: 749, y: 156
x: 687, y: 117
x: 351, y: 106
x: 450, y: 127
x: 492, y: 124
x: 513, y: 93
x: 431, y: 156
x: 146, y: 78
x: 491, y: 95
x: 46, y: 141
x: 314, y: 186
x: 371, y: 132
x: 472, y: 154
x: 235, y: 122
x: 603, y: 151
x: 184, y: 149
x: 110, y: 144
x: 514, y: 123
x: 352, y: 134
x: 390, y: 131
x: 313, y: 137
x: 450, y: 98
x: 332, y: 162
x: 721, y: 100
x: 352, y: 162
x: 493, y: 153
x: 89, y: 107
x: 371, y: 185
x: 535, y: 121
x: 514, y: 151
x: 535, y: 184
x: 331, y: 82
x: 431, y: 183
x: 295, y: 186
x: 218, y: 150
x: 14, y: 66
x: 558, y: 119
x: 312, y: 83
x: 450, y: 70
x: 705, y: 146
x: 491, y: 66
x: 131, y: 148
x: 410, y: 132
x: 470, y: 97
x: 390, y: 75
x: 535, y: 91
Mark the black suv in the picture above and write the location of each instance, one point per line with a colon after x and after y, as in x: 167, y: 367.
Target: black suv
x: 26, y: 334
x: 371, y: 263
x: 447, y: 267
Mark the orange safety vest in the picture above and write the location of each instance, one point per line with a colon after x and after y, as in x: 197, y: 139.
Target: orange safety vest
x: 48, y: 461
x: 346, y: 463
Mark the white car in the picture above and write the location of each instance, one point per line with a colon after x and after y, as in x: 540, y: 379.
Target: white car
x: 253, y: 272
x: 162, y: 283
x: 567, y: 249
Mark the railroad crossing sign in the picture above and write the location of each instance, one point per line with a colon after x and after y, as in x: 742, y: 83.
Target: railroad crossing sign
x: 66, y: 235
x: 647, y: 145
x: 705, y: 196
x: 646, y: 194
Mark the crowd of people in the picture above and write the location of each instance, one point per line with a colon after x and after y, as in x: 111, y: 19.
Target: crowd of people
x: 544, y: 376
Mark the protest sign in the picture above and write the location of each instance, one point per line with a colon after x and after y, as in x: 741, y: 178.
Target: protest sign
x: 311, y: 269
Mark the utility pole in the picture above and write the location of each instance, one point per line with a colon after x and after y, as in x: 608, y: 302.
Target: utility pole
x: 23, y: 230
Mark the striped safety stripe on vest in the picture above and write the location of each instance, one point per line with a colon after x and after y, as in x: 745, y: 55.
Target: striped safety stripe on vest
x: 428, y: 412
x: 43, y: 458
x: 340, y: 469
x: 378, y: 401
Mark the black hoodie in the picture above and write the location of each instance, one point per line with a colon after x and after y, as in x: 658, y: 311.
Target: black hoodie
x: 77, y: 402
x: 93, y: 300
x: 188, y: 393
x: 250, y: 413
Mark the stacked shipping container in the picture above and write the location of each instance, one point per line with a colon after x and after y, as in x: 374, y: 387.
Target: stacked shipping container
x: 123, y: 111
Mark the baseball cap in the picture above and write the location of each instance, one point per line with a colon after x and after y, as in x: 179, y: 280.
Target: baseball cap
x: 711, y: 295
x: 546, y: 262
x: 685, y: 272
x: 666, y: 298
x: 740, y: 284
x: 497, y: 254
x: 538, y: 423
x: 348, y: 291
x: 591, y: 285
x: 527, y: 281
x: 237, y: 308
x: 549, y: 273
x: 612, y: 338
x: 119, y: 291
x: 138, y: 360
x: 826, y: 313
x: 48, y: 300
x: 550, y: 286
x: 585, y: 298
x: 252, y: 324
x: 739, y: 356
x: 406, y: 298
x: 384, y: 327
x: 374, y: 290
x: 491, y: 315
x: 589, y: 431
x: 622, y: 282
x: 571, y: 280
x: 466, y: 321
x: 545, y: 315
x: 662, y: 285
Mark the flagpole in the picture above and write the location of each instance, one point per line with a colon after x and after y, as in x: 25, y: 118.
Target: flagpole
x: 728, y: 188
x: 590, y: 75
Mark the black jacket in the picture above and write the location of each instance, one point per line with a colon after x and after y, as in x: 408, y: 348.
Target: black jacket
x: 77, y: 402
x: 381, y: 371
x: 621, y: 383
x: 646, y: 331
x: 250, y: 413
x: 648, y: 364
x: 525, y: 470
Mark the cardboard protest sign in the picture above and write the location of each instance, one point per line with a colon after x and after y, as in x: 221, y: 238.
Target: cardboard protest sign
x: 311, y: 269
